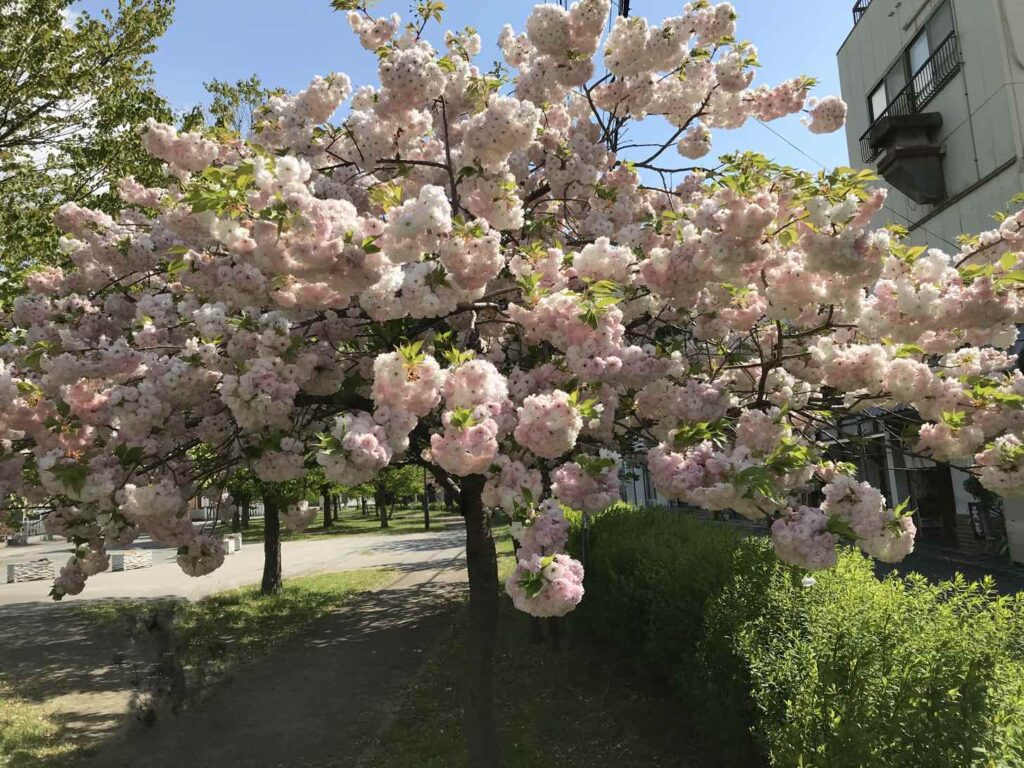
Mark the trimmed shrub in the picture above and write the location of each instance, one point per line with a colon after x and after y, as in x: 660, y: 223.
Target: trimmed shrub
x: 848, y: 672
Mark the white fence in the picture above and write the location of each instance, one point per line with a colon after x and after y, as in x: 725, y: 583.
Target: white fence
x: 210, y: 513
x: 32, y: 527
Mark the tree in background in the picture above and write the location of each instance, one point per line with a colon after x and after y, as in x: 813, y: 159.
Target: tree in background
x: 234, y: 107
x: 388, y: 488
x: 74, y: 90
x: 243, y: 487
x: 394, y: 486
x: 485, y: 278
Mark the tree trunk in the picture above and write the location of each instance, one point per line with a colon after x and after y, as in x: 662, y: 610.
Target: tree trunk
x: 245, y: 514
x: 382, y: 508
x: 327, y: 507
x: 271, y: 546
x: 236, y: 521
x: 482, y: 563
x: 362, y: 503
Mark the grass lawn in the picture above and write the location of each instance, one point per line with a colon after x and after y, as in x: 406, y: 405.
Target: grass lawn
x: 27, y: 733
x: 404, y: 520
x: 211, y: 636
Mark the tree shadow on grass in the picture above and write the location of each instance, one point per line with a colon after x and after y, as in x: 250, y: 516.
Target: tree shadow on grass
x: 311, y: 701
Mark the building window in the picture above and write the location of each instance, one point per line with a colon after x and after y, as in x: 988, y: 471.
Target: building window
x: 914, y: 63
x: 918, y: 53
x: 922, y: 70
x: 886, y: 91
x: 879, y: 101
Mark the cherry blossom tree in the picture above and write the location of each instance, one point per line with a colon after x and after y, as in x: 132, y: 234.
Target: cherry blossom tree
x: 475, y: 272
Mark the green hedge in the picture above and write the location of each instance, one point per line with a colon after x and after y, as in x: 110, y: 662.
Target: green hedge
x: 846, y: 673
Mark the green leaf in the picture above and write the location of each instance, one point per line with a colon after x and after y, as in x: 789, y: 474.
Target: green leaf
x: 177, y: 266
x: 462, y: 418
x: 412, y: 353
x: 840, y: 528
x: 456, y: 357
x: 909, y: 350
x: 690, y: 434
x: 128, y: 456
x: 71, y: 476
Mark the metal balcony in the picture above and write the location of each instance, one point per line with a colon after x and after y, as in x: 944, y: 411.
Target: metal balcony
x: 859, y: 9
x: 924, y: 85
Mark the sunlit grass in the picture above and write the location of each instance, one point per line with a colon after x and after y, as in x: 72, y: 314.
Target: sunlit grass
x: 352, y: 521
x: 28, y: 734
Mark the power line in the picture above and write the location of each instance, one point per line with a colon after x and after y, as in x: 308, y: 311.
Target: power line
x: 890, y: 210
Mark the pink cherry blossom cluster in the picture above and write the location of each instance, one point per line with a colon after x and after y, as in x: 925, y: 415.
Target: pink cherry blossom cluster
x: 880, y: 532
x: 546, y: 586
x: 355, y: 450
x: 511, y: 485
x: 1002, y: 465
x: 473, y: 383
x: 801, y: 537
x: 202, y: 555
x: 588, y: 485
x: 469, y: 443
x: 298, y: 516
x: 287, y: 463
x: 407, y: 385
x: 188, y: 152
x: 827, y: 115
x: 548, y: 424
x: 545, y: 532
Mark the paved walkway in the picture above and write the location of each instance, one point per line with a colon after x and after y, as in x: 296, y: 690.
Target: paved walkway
x: 304, y: 693
x: 937, y: 564
x: 344, y: 552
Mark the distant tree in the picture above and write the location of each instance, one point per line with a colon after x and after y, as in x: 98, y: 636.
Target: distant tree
x: 244, y: 490
x: 388, y: 488
x: 235, y: 107
x: 74, y: 91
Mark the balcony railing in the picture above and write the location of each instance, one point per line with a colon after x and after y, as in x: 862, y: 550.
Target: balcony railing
x: 859, y: 9
x: 925, y: 84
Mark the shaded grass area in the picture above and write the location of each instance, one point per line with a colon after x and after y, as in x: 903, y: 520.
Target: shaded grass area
x: 580, y: 707
x: 352, y: 521
x: 209, y: 637
x: 28, y: 734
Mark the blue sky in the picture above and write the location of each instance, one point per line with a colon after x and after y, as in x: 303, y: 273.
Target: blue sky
x: 286, y: 43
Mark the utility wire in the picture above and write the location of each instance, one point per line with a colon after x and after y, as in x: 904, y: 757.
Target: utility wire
x: 890, y: 210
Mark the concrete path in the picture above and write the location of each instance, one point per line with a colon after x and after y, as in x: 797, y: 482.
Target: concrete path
x: 165, y: 579
x: 54, y: 656
x: 937, y: 564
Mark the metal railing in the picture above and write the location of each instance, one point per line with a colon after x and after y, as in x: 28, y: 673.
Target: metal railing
x: 207, y: 514
x: 924, y: 85
x: 859, y: 9
x: 32, y: 527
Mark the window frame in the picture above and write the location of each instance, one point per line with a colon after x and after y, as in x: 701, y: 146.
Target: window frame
x: 903, y: 58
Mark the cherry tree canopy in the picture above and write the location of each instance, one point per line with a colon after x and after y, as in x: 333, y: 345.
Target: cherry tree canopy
x: 474, y: 271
